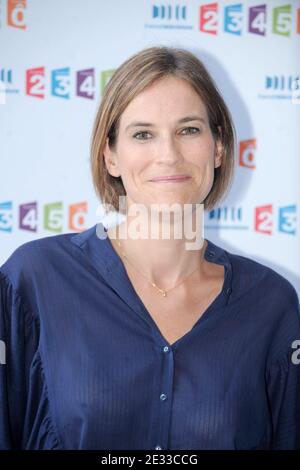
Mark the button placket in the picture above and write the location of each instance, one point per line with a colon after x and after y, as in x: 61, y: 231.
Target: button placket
x: 165, y: 399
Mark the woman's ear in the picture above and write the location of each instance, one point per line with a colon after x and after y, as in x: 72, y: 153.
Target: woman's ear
x: 218, y: 149
x: 110, y: 159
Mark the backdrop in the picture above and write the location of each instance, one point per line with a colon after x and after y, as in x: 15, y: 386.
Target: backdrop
x: 56, y: 57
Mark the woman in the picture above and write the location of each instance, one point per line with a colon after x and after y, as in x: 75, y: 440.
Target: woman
x: 118, y: 341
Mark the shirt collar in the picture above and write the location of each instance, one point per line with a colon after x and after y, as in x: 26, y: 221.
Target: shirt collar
x: 95, y: 243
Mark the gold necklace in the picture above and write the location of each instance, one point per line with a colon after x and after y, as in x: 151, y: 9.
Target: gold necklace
x: 162, y: 291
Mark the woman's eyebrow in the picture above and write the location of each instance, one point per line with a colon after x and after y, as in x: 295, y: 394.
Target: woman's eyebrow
x: 149, y: 124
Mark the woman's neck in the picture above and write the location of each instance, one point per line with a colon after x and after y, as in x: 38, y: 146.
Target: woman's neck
x: 161, y: 260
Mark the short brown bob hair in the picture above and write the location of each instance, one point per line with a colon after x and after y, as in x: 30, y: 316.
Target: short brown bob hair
x: 132, y: 77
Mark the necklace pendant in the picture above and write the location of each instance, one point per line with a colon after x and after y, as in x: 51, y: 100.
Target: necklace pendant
x: 164, y: 294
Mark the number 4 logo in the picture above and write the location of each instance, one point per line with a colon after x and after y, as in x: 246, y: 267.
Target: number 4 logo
x: 258, y: 19
x: 85, y: 85
x: 28, y: 217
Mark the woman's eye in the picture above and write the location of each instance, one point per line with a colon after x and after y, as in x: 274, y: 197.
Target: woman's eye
x: 191, y: 130
x: 143, y: 135
x: 140, y: 135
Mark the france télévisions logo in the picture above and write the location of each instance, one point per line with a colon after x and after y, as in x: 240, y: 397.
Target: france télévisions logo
x: 169, y: 16
x: 237, y: 19
x: 268, y: 219
x: 281, y: 87
x: 35, y: 82
x: 247, y: 153
x: 226, y: 217
x: 60, y: 83
x: 6, y: 84
x: 16, y: 13
x: 33, y: 216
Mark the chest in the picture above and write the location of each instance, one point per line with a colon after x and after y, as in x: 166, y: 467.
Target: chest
x: 176, y: 314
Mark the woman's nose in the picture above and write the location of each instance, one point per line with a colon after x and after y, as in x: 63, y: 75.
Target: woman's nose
x: 169, y: 150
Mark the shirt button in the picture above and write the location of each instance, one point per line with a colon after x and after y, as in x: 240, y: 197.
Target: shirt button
x: 229, y: 290
x: 157, y: 448
x: 163, y: 397
x: 166, y: 349
x: 211, y: 253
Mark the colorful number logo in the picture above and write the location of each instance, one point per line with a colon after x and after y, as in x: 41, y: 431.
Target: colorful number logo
x: 209, y: 18
x: 287, y: 219
x: 258, y: 20
x: 104, y: 79
x: 16, y: 13
x: 233, y: 17
x: 53, y: 216
x: 282, y: 20
x: 28, y: 216
x: 6, y: 216
x: 77, y: 216
x: 263, y: 219
x: 247, y: 153
x: 85, y: 86
x: 60, y: 83
x: 35, y: 82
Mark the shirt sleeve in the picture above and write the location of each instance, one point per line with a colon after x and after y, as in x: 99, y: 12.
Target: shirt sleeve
x: 283, y: 381
x: 18, y: 346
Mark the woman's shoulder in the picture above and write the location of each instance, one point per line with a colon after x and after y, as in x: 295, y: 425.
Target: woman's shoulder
x: 252, y: 273
x: 267, y: 301
x: 33, y: 258
x: 263, y: 289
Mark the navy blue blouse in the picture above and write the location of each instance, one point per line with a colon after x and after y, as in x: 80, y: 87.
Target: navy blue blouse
x: 86, y: 366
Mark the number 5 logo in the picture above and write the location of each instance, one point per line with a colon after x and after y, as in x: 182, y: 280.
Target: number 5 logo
x: 282, y: 20
x: 53, y: 217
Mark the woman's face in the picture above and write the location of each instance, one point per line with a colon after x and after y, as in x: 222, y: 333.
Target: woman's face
x: 164, y: 131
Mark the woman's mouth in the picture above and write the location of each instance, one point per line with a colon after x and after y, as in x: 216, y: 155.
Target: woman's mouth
x: 170, y: 179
